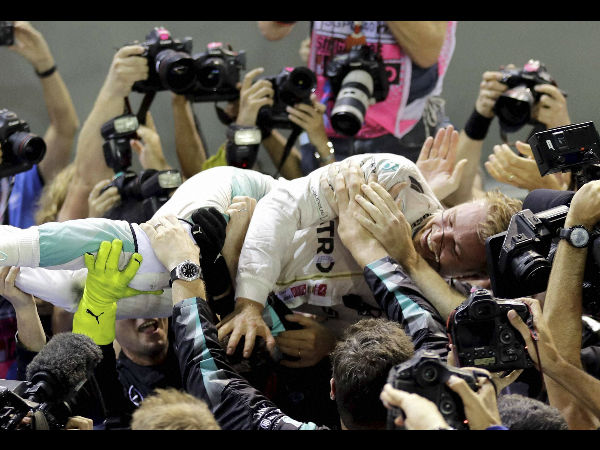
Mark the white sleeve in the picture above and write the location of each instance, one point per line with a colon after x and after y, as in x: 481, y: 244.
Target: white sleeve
x: 299, y: 204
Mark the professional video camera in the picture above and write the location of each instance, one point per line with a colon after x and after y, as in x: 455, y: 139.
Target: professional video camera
x: 574, y: 148
x: 482, y: 336
x: 56, y: 385
x: 291, y: 86
x: 20, y: 148
x: 171, y: 67
x: 151, y: 187
x: 426, y: 374
x: 217, y: 74
x: 358, y: 80
x: 7, y: 32
x: 514, y: 106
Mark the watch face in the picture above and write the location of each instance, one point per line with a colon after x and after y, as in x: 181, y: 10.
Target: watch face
x: 579, y: 237
x: 188, y: 270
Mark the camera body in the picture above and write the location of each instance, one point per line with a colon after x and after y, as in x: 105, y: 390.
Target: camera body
x: 170, y: 64
x: 291, y: 86
x: 519, y: 260
x: 514, y: 105
x: 482, y: 335
x: 426, y: 374
x: 7, y: 32
x: 217, y: 74
x: 20, y: 148
x: 574, y: 148
x: 358, y: 79
x: 117, y: 134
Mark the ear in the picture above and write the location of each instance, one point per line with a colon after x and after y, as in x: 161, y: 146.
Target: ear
x: 332, y: 392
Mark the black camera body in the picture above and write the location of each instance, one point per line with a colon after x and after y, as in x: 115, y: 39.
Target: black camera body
x: 20, y: 148
x: 358, y: 79
x: 291, y: 86
x: 426, y: 374
x: 117, y: 134
x: 217, y: 74
x: 482, y: 335
x: 170, y: 64
x: 514, y: 105
x: 519, y: 260
x: 7, y: 32
x: 574, y: 148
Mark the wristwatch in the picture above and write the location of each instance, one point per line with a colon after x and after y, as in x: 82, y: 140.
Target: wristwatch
x: 577, y: 236
x: 186, y: 271
x: 244, y: 135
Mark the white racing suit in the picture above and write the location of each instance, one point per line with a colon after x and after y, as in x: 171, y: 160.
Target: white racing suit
x: 291, y: 246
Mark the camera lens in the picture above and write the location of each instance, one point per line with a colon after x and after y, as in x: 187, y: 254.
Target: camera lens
x: 210, y: 73
x: 513, y: 107
x: 298, y: 86
x: 348, y: 114
x: 531, y: 271
x: 175, y: 70
x: 27, y: 147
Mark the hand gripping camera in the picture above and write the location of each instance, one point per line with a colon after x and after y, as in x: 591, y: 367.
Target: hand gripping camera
x: 515, y: 105
x: 171, y: 67
x: 482, y: 335
x: 217, y: 74
x: 151, y: 187
x: 426, y: 374
x: 291, y: 86
x: 20, y: 148
x: 358, y: 80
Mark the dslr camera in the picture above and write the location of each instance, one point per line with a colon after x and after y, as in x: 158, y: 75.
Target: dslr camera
x: 217, y: 74
x: 171, y: 67
x: 20, y: 148
x: 358, y: 80
x: 151, y: 187
x: 291, y: 86
x: 7, y: 32
x: 574, y: 148
x: 482, y: 335
x: 515, y: 105
x: 426, y: 374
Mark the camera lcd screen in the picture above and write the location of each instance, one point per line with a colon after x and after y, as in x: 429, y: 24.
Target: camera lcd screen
x: 475, y: 334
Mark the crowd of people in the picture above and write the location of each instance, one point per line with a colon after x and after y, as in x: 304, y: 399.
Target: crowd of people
x: 223, y: 298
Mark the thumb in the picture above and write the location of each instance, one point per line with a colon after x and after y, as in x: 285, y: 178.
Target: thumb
x: 524, y: 149
x: 137, y: 146
x: 516, y: 321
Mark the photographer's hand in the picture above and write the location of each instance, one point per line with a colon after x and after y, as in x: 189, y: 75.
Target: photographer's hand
x: 128, y: 66
x: 253, y: 96
x: 149, y: 149
x: 30, y: 43
x: 420, y: 412
x: 100, y: 202
x: 551, y: 109
x: 310, y: 118
x: 490, y: 89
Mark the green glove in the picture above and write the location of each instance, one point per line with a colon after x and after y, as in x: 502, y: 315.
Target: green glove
x: 105, y: 284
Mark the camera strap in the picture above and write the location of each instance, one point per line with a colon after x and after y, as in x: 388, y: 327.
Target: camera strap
x: 296, y: 131
x: 535, y: 337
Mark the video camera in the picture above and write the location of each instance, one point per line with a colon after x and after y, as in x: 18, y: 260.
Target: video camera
x: 358, y: 80
x: 514, y: 106
x: 426, y: 374
x: 20, y: 148
x: 291, y: 86
x: 151, y: 187
x: 482, y: 336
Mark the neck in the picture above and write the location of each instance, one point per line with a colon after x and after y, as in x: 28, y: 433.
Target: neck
x: 142, y: 359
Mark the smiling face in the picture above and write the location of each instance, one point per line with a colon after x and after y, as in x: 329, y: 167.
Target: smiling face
x: 449, y: 241
x: 144, y: 341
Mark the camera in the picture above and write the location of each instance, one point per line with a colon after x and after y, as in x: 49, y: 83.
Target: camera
x: 574, y: 148
x: 7, y: 32
x: 217, y: 74
x: 482, y: 335
x: 514, y: 105
x: 117, y: 134
x: 519, y: 260
x: 426, y: 374
x: 20, y: 148
x: 151, y: 187
x: 291, y: 86
x: 358, y: 79
x: 171, y: 67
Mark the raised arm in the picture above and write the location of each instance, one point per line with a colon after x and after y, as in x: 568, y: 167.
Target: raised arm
x: 127, y: 67
x: 189, y: 146
x: 421, y: 40
x: 64, y: 123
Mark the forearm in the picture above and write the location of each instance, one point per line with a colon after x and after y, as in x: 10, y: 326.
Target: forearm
x: 421, y: 40
x: 30, y: 329
x: 275, y: 144
x: 188, y: 143
x: 273, y: 30
x: 469, y: 149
